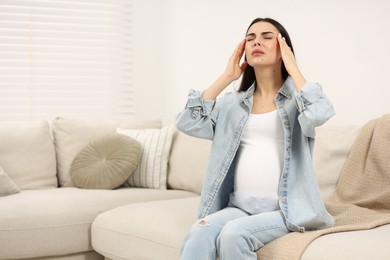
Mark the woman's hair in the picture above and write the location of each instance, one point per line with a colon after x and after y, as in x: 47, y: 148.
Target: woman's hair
x: 248, y: 76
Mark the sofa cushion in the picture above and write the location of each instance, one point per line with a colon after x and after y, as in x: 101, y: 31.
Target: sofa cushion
x: 106, y: 163
x: 36, y: 223
x: 362, y: 244
x: 155, y: 230
x: 151, y: 230
x: 91, y: 255
x: 152, y: 169
x: 27, y: 154
x: 331, y: 149
x: 71, y: 135
x: 188, y: 162
x: 7, y: 186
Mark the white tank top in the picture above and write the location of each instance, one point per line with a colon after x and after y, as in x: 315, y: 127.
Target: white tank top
x: 259, y: 164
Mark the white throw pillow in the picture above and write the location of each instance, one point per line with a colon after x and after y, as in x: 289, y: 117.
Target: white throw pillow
x: 153, y: 166
x: 7, y: 186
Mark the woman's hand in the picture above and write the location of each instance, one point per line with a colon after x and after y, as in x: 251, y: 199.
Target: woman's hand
x: 232, y: 72
x: 287, y: 54
x: 290, y: 63
x: 234, y: 69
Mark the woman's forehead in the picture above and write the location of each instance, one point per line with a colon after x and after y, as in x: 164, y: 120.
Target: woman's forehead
x: 261, y: 27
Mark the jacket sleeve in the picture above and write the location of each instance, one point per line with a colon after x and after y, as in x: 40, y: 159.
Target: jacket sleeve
x: 198, y: 117
x: 314, y: 108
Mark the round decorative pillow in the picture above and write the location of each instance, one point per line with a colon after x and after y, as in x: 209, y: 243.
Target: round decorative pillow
x: 106, y: 163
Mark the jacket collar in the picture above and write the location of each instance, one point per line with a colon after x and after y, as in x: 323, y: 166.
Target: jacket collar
x: 249, y: 92
x: 286, y: 90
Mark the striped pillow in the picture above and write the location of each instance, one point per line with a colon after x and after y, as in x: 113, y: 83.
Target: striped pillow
x: 155, y: 147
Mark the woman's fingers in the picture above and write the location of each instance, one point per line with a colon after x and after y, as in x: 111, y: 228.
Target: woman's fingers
x: 286, y: 52
x: 243, y: 65
x: 241, y: 49
x: 234, y: 69
x: 283, y: 44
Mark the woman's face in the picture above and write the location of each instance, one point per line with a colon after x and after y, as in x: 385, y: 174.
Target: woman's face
x: 262, y: 47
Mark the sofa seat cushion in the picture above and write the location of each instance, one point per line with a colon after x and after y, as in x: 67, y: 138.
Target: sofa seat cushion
x: 155, y: 230
x: 91, y: 255
x: 362, y: 244
x: 151, y: 230
x: 35, y: 223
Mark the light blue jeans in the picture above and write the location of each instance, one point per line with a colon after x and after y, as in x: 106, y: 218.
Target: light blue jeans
x: 232, y: 233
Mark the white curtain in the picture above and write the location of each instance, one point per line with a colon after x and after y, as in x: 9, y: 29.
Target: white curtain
x: 66, y: 58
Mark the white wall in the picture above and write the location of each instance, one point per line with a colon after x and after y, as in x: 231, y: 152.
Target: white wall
x: 148, y: 35
x: 343, y: 45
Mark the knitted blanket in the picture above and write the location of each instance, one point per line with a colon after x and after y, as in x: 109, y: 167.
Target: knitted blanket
x: 362, y: 196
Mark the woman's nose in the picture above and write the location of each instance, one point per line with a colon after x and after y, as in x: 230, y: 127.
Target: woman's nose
x: 256, y: 43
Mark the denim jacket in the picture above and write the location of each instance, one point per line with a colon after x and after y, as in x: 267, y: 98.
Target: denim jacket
x: 224, y: 120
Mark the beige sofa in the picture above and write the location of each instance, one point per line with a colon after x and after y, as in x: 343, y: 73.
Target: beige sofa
x: 51, y: 219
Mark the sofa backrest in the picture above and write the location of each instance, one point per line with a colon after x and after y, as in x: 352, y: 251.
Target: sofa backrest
x: 27, y: 154
x: 31, y: 159
x: 189, y: 158
x: 331, y: 149
x: 187, y: 162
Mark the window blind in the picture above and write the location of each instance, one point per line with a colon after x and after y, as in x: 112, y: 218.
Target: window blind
x: 66, y: 58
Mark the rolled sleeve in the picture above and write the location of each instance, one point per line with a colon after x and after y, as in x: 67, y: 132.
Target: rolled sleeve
x: 198, y: 117
x: 309, y: 94
x: 199, y: 106
x: 314, y: 108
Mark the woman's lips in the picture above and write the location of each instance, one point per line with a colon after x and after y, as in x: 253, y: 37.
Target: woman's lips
x: 257, y: 52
